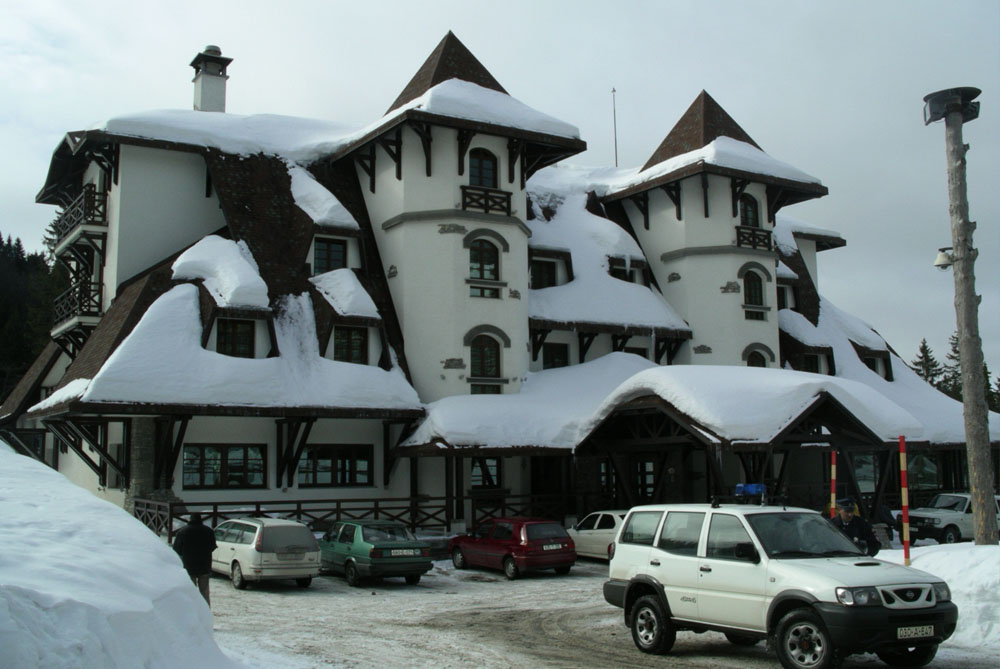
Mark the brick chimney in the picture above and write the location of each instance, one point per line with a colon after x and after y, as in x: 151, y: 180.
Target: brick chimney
x: 210, y: 79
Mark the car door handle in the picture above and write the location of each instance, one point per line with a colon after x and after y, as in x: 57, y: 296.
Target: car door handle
x: 655, y: 563
x: 705, y: 569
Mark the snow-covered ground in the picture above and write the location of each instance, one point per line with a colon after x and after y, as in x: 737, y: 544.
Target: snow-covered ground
x: 83, y: 584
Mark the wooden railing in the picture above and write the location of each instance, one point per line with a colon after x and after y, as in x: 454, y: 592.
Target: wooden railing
x: 554, y: 507
x: 486, y: 200
x: 90, y: 208
x: 82, y: 299
x: 414, y: 512
x: 755, y: 238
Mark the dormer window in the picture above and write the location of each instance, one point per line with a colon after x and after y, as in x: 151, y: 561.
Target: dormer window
x: 631, y: 271
x: 482, y: 168
x: 350, y: 344
x: 235, y: 337
x: 543, y: 274
x: 329, y: 254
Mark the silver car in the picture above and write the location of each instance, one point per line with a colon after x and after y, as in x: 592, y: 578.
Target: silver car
x: 596, y: 531
x: 265, y: 549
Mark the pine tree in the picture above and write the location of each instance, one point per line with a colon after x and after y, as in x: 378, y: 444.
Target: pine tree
x: 926, y: 365
x: 950, y: 382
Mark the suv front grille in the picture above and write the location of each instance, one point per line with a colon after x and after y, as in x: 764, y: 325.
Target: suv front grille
x: 914, y: 596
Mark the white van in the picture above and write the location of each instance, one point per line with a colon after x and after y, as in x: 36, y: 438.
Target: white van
x: 265, y: 549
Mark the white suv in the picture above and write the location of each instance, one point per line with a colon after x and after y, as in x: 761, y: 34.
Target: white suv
x: 265, y: 549
x: 947, y: 519
x: 782, y: 574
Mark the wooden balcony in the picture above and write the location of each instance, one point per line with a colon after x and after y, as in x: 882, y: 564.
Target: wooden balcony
x: 82, y: 299
x: 754, y: 238
x: 486, y: 200
x: 90, y: 208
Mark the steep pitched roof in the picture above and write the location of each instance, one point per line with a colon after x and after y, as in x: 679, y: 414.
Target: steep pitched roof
x: 449, y: 60
x: 703, y: 122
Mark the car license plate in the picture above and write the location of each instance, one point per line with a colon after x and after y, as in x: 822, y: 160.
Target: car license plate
x: 290, y: 556
x: 917, y: 632
x: 400, y: 552
x: 549, y: 547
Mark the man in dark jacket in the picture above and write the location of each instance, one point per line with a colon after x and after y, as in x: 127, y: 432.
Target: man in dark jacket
x: 195, y: 543
x: 857, y: 529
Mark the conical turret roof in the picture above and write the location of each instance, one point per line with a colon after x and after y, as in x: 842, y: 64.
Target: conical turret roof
x: 449, y: 60
x: 703, y: 122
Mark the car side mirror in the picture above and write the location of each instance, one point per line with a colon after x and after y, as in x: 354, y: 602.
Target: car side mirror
x: 746, y: 551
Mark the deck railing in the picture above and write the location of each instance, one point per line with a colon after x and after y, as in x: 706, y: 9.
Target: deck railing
x: 755, y: 238
x: 89, y: 208
x: 82, y: 299
x: 486, y: 200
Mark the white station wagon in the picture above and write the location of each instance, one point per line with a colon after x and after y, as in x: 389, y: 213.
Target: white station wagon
x: 265, y: 549
x: 782, y: 574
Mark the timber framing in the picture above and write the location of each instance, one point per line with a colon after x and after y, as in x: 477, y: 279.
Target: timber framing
x: 168, y: 441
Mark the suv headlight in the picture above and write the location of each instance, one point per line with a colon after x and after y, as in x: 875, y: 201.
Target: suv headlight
x: 941, y: 592
x: 935, y: 521
x: 866, y: 596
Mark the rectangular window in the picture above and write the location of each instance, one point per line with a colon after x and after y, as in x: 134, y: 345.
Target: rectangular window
x: 543, y: 274
x: 753, y: 315
x: 607, y: 476
x: 336, y: 465
x: 645, y: 478
x: 640, y: 527
x: 724, y: 533
x: 810, y: 363
x: 350, y: 345
x: 485, y: 473
x: 330, y: 254
x: 480, y: 291
x: 555, y: 355
x: 235, y: 337
x: 681, y: 532
x: 782, y: 297
x: 224, y: 466
x: 485, y: 389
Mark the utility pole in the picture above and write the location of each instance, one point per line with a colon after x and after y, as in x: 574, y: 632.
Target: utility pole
x: 614, y: 117
x: 956, y: 106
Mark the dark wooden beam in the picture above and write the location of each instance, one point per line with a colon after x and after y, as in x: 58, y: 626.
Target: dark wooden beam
x: 423, y: 131
x: 619, y: 342
x: 704, y: 191
x: 392, y: 144
x: 737, y: 186
x: 515, y: 148
x: 537, y: 341
x: 464, y: 139
x: 585, y: 339
x: 673, y: 191
x: 641, y: 202
x: 62, y: 433
x: 366, y: 160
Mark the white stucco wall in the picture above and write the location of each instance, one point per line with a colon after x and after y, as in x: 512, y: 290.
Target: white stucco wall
x: 159, y: 208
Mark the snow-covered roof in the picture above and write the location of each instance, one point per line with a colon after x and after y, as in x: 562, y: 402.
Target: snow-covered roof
x: 166, y: 346
x: 228, y: 270
x: 593, y: 296
x: 321, y: 205
x: 786, y: 229
x: 721, y: 152
x: 345, y: 293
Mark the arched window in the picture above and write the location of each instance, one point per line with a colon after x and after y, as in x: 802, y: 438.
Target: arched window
x: 748, y: 212
x: 756, y: 359
x: 485, y: 357
x: 484, y: 265
x: 753, y: 296
x: 482, y: 168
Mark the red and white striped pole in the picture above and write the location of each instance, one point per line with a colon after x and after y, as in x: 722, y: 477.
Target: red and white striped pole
x: 904, y: 488
x: 833, y: 482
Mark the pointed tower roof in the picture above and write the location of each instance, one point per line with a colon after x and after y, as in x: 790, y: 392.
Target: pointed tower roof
x: 449, y: 60
x: 703, y: 122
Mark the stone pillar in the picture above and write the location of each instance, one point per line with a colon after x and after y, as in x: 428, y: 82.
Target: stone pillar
x: 142, y: 460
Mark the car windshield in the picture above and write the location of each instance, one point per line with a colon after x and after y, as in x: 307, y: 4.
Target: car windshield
x: 800, y: 535
x: 546, y: 531
x: 948, y: 502
x: 387, y: 533
x: 288, y: 539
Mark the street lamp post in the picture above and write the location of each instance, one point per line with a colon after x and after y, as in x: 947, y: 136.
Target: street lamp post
x: 956, y: 106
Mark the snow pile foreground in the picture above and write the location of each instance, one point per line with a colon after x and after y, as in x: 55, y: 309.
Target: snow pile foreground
x: 83, y: 584
x: 973, y: 575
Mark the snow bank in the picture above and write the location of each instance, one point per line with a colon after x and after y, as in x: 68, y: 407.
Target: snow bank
x: 345, y: 293
x: 314, y: 199
x: 973, y: 575
x: 83, y: 584
x: 228, y: 270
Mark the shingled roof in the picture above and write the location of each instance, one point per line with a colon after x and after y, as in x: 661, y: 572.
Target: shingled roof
x: 703, y: 122
x: 449, y: 60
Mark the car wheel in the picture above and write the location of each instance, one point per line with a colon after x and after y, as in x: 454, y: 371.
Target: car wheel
x: 562, y: 571
x: 802, y: 642
x: 741, y: 639
x: 304, y: 582
x: 413, y: 579
x: 652, y: 631
x: 951, y: 535
x: 916, y: 656
x: 458, y: 559
x: 351, y: 574
x: 236, y: 575
x: 510, y: 569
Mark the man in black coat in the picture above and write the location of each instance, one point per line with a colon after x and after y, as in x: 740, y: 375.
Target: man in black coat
x: 195, y: 543
x: 857, y: 529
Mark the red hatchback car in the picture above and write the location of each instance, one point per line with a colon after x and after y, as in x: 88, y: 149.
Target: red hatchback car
x: 515, y: 545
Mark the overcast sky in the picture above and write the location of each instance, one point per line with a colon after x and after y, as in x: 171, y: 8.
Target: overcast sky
x: 834, y: 88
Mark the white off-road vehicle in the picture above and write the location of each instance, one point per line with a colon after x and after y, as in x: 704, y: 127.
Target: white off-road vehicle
x: 783, y: 575
x: 947, y: 519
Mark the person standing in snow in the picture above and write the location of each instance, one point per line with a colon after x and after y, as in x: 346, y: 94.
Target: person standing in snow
x: 195, y: 543
x: 856, y: 528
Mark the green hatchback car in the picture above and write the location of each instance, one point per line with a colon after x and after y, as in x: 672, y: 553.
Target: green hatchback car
x: 361, y: 549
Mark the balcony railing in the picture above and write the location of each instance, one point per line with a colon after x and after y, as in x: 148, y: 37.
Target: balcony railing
x: 90, y: 208
x: 82, y: 299
x: 755, y: 238
x: 486, y: 200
